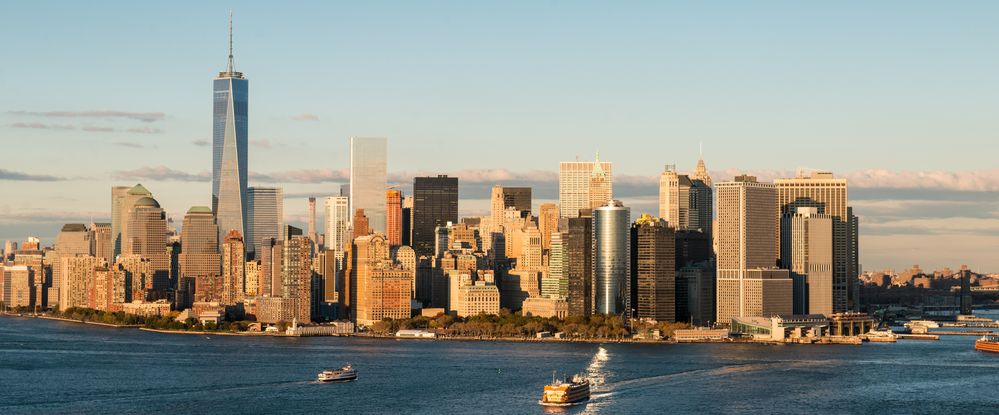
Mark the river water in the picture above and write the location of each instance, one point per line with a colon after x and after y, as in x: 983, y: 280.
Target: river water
x: 57, y: 367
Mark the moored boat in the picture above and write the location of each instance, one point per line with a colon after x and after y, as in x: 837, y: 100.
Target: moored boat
x: 988, y: 343
x: 571, y: 391
x: 343, y: 374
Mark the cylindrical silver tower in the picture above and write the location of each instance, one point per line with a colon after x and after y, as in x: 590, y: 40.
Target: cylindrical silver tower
x: 611, y: 258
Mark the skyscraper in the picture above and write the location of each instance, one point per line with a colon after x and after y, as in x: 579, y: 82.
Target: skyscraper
x: 393, y: 217
x: 296, y: 273
x: 749, y: 285
x: 829, y: 196
x: 612, y: 258
x: 368, y: 179
x: 701, y: 172
x: 147, y: 237
x: 360, y: 224
x: 199, y: 234
x: 504, y: 198
x: 548, y: 223
x: 265, y: 218
x: 653, y: 269
x: 74, y: 240
x: 100, y: 241
x: 578, y: 240
x: 600, y: 186
x: 337, y: 223
x: 229, y: 148
x: 122, y: 200
x: 312, y: 221
x: 435, y: 203
x: 685, y: 203
x: 233, y: 268
x: 807, y: 253
x: 574, y: 183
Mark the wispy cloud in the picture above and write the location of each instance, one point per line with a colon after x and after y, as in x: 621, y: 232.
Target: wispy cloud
x: 160, y: 173
x: 42, y: 126
x: 305, y: 117
x: 127, y: 144
x: 145, y: 130
x: 201, y: 142
x: 18, y: 176
x: 97, y: 129
x: 45, y: 216
x: 138, y: 116
x: 303, y: 176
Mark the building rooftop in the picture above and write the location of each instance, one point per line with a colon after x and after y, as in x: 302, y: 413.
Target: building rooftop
x: 147, y: 202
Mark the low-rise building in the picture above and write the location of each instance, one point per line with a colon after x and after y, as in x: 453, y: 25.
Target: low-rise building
x: 545, y: 307
x: 147, y: 309
x: 780, y: 328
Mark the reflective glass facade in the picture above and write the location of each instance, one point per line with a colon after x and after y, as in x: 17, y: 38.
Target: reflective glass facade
x: 229, y: 152
x: 368, y: 160
x: 612, y: 258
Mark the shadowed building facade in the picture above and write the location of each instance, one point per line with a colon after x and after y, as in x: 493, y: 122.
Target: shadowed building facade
x: 435, y: 203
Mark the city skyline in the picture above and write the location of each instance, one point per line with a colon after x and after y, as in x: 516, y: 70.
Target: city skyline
x: 933, y: 216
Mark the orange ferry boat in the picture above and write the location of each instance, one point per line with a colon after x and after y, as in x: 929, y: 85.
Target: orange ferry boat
x: 571, y: 391
x: 988, y: 343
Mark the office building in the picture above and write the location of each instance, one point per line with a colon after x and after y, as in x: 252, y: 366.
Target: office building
x: 199, y: 240
x: 435, y: 203
x: 393, y: 217
x: 548, y: 220
x: 77, y: 279
x: 829, y: 196
x: 612, y: 258
x: 684, y: 203
x: 147, y: 237
x: 653, y: 269
x: 229, y: 148
x: 578, y: 240
x: 337, y: 223
x: 503, y: 198
x: 555, y: 284
x: 100, y: 241
x: 265, y: 217
x: 807, y: 253
x: 368, y: 179
x: 574, y: 185
x: 122, y: 201
x: 74, y: 239
x: 748, y: 283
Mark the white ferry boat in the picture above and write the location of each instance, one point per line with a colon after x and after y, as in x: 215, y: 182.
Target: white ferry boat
x: 343, y: 374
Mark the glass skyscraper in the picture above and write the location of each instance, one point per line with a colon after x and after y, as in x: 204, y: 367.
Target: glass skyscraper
x: 368, y: 179
x: 229, y: 146
x: 612, y: 258
x: 265, y: 217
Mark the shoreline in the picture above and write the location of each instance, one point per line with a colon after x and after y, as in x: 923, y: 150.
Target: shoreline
x: 468, y: 338
x: 69, y: 320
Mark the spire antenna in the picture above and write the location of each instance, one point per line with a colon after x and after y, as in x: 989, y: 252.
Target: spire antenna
x: 230, y: 41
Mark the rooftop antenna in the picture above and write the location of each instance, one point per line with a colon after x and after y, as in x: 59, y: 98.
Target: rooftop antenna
x: 230, y: 41
x: 701, y: 149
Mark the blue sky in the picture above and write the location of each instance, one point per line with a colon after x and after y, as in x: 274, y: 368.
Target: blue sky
x: 900, y: 97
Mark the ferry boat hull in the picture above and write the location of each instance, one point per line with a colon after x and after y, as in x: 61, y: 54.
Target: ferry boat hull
x: 987, y: 346
x: 344, y: 374
x: 556, y: 404
x: 574, y: 391
x: 336, y: 379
